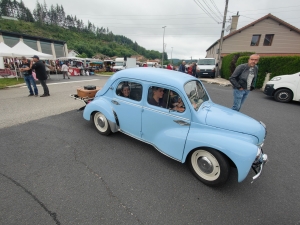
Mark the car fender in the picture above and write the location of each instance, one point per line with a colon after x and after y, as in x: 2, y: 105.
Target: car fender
x: 240, y: 151
x: 287, y: 85
x: 104, y: 106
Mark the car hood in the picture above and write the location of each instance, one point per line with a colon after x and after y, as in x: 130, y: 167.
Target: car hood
x: 228, y: 119
x: 288, y: 78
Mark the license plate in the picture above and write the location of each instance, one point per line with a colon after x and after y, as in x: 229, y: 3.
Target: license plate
x: 205, y: 73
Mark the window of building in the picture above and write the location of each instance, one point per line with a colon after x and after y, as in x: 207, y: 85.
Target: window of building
x: 46, y: 47
x: 31, y: 43
x: 130, y: 90
x: 165, y: 98
x: 255, y: 40
x: 268, y: 39
x: 10, y: 41
x: 59, y: 50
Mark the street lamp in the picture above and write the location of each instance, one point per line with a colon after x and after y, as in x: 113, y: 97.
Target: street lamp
x: 171, y: 55
x: 162, y: 58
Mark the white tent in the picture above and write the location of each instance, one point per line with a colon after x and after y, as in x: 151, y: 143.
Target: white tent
x: 5, y: 50
x: 21, y: 49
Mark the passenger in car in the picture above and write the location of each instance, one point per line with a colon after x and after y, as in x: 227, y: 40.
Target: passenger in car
x: 176, y: 102
x: 157, y: 97
x: 125, y: 91
x: 179, y: 106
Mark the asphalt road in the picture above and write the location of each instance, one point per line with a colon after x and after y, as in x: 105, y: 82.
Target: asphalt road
x: 56, y: 169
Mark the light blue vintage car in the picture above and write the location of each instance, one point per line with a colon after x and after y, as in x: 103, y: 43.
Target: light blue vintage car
x: 173, y: 112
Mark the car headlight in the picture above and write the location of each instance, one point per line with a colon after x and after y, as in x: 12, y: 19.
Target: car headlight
x: 276, y: 79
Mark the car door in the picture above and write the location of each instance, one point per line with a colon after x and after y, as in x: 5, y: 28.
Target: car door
x: 128, y: 109
x: 163, y: 126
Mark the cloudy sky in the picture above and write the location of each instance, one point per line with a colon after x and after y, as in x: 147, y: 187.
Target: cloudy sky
x: 189, y: 29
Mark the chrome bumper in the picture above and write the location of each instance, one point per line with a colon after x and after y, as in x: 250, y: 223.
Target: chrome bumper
x: 258, y: 165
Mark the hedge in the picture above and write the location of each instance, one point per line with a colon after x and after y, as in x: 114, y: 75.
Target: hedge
x: 276, y: 65
x: 229, y: 63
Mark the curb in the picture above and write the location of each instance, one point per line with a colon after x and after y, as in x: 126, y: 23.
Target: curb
x: 223, y: 84
x: 15, y: 86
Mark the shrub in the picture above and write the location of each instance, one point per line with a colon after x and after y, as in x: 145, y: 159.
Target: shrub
x: 229, y: 63
x: 276, y: 65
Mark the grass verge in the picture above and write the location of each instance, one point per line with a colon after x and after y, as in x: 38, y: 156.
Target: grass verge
x: 4, y: 82
x: 105, y: 73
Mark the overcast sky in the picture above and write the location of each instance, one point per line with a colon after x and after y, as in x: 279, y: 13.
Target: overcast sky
x: 189, y: 30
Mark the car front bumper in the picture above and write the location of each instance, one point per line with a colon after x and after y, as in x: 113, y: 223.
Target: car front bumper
x: 205, y: 73
x: 258, y: 165
x: 269, y: 89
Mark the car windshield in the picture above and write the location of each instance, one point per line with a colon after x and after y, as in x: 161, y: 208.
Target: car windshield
x: 118, y: 63
x: 195, y: 93
x: 206, y: 62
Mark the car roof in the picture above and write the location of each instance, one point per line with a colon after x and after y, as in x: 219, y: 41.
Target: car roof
x: 163, y: 76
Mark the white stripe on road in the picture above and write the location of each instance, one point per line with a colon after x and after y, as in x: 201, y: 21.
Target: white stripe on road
x: 38, y: 85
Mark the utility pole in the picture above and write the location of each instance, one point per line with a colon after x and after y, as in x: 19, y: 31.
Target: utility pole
x: 162, y: 58
x: 221, y: 39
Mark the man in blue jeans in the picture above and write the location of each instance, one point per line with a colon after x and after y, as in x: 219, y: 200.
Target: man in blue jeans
x: 29, y: 80
x: 243, y: 80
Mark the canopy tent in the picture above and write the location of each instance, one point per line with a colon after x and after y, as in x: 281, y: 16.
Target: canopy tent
x: 5, y: 51
x: 71, y: 58
x: 21, y: 49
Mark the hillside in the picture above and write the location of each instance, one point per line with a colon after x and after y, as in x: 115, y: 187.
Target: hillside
x: 85, y: 42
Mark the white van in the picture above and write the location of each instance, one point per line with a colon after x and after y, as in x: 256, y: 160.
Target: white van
x: 284, y: 88
x: 119, y: 64
x: 206, y: 68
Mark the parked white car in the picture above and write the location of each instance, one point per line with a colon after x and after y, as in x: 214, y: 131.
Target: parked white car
x: 284, y: 88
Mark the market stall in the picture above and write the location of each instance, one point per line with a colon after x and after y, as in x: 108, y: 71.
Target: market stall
x: 76, y: 65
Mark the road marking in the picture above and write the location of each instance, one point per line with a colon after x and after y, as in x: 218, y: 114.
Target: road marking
x: 77, y: 81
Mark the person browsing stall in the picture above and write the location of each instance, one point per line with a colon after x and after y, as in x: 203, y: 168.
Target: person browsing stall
x: 40, y: 70
x: 28, y: 78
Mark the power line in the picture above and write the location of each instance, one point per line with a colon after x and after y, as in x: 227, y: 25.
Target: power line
x: 190, y: 14
x: 214, y: 4
x: 212, y: 10
x: 204, y: 10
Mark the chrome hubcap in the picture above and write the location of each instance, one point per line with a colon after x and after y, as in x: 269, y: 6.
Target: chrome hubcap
x: 205, y: 165
x: 101, y: 122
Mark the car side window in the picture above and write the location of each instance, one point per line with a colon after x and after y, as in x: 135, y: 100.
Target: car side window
x: 130, y: 90
x: 165, y: 98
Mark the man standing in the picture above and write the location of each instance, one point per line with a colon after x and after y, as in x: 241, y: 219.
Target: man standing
x: 194, y: 66
x: 41, y: 75
x: 29, y: 80
x: 243, y: 80
x: 65, y: 68
x: 182, y: 67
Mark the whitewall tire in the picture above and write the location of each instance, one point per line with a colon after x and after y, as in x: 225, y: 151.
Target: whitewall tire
x: 210, y: 166
x: 101, y: 123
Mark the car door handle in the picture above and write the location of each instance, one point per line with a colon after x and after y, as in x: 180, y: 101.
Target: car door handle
x: 115, y: 102
x: 181, y: 122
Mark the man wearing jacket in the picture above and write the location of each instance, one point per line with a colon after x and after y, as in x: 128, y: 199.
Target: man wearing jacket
x: 182, y: 67
x: 243, y: 80
x: 41, y: 74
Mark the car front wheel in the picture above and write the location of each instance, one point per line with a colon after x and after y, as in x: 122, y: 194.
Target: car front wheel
x: 101, y: 123
x: 210, y: 166
x: 283, y: 95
